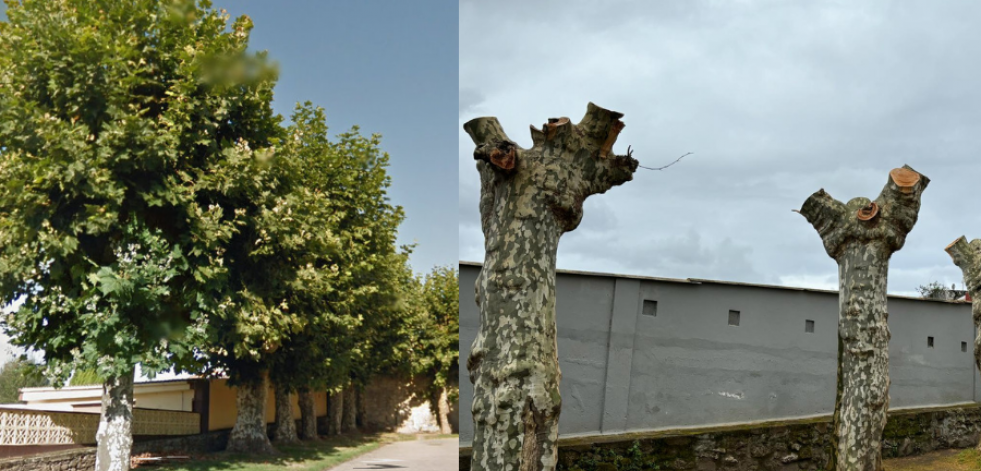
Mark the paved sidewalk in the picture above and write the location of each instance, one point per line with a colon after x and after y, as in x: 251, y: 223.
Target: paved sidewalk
x: 415, y: 455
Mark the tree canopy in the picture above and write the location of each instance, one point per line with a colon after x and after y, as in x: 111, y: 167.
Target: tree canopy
x: 125, y: 133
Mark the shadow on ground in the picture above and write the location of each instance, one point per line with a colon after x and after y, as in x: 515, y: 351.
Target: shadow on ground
x: 316, y: 454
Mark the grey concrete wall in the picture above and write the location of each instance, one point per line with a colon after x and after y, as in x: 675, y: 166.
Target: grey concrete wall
x: 687, y: 367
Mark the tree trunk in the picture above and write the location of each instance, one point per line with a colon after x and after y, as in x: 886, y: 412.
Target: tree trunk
x: 528, y: 199
x: 308, y: 416
x: 249, y: 434
x: 861, y: 236
x: 349, y: 423
x: 967, y: 256
x: 443, y: 412
x: 362, y: 408
x: 334, y: 412
x: 115, y: 434
x: 285, y: 431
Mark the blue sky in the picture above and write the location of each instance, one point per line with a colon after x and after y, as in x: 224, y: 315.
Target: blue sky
x: 391, y: 68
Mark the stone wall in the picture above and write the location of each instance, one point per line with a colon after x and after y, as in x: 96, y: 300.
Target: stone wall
x: 639, y: 353
x: 77, y: 459
x: 395, y: 404
x: 784, y: 446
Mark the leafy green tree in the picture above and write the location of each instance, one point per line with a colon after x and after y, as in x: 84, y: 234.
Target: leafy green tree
x: 18, y: 374
x: 129, y: 131
x: 436, y: 353
x: 332, y: 285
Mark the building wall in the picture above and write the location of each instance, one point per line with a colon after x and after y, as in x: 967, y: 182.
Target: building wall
x: 223, y: 408
x: 686, y: 366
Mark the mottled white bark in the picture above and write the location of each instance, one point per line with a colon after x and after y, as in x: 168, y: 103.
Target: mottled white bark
x: 349, y: 422
x: 308, y: 416
x: 443, y: 412
x: 335, y: 409
x: 967, y: 256
x: 861, y: 236
x: 528, y: 199
x: 285, y: 428
x: 249, y: 433
x: 115, y: 433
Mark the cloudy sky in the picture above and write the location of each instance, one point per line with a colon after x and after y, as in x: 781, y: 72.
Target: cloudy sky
x: 775, y: 100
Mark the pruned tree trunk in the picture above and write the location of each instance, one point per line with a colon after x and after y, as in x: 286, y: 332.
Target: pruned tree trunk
x: 285, y: 431
x: 967, y: 256
x: 115, y: 433
x: 861, y: 236
x: 308, y: 416
x: 528, y: 199
x: 249, y: 433
x: 335, y: 409
x: 443, y: 411
x: 349, y: 423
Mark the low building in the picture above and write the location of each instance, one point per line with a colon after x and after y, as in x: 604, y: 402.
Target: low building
x: 57, y: 418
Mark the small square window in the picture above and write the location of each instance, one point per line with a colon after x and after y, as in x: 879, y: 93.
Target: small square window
x: 963, y: 346
x: 809, y: 326
x: 650, y: 308
x: 930, y: 342
x: 733, y: 317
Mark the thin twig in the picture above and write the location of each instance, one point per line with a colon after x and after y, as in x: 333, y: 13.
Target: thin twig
x: 668, y: 165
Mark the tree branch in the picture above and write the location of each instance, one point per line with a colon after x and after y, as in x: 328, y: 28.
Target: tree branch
x: 660, y: 168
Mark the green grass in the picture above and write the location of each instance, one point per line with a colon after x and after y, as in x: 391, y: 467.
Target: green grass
x: 970, y: 458
x: 941, y: 460
x: 306, y: 456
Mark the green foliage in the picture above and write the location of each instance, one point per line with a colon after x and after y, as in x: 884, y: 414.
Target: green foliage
x: 937, y: 290
x: 436, y: 352
x: 323, y: 254
x: 84, y: 378
x: 18, y: 374
x: 131, y: 133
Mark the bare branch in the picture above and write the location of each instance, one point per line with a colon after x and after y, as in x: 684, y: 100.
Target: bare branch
x: 666, y: 166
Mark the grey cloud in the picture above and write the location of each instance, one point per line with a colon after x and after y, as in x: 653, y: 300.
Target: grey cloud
x: 775, y: 99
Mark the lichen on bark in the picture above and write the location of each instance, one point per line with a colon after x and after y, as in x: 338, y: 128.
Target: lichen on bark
x: 285, y: 429
x: 967, y: 256
x: 443, y: 411
x: 349, y: 421
x: 861, y: 236
x: 115, y: 433
x: 528, y: 199
x: 308, y: 416
x: 249, y: 433
x: 335, y: 409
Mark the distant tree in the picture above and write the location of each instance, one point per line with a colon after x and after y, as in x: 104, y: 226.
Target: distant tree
x: 129, y: 130
x: 436, y: 352
x: 937, y: 290
x: 18, y: 374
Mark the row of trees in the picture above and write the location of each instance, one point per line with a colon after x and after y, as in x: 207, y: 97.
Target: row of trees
x: 154, y: 210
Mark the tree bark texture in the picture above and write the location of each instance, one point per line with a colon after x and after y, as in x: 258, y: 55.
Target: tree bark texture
x: 249, y: 433
x: 528, y: 199
x: 362, y: 407
x: 861, y: 236
x: 349, y: 423
x: 967, y: 256
x: 115, y: 433
x: 335, y: 409
x: 308, y: 416
x: 443, y: 412
x: 285, y: 431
